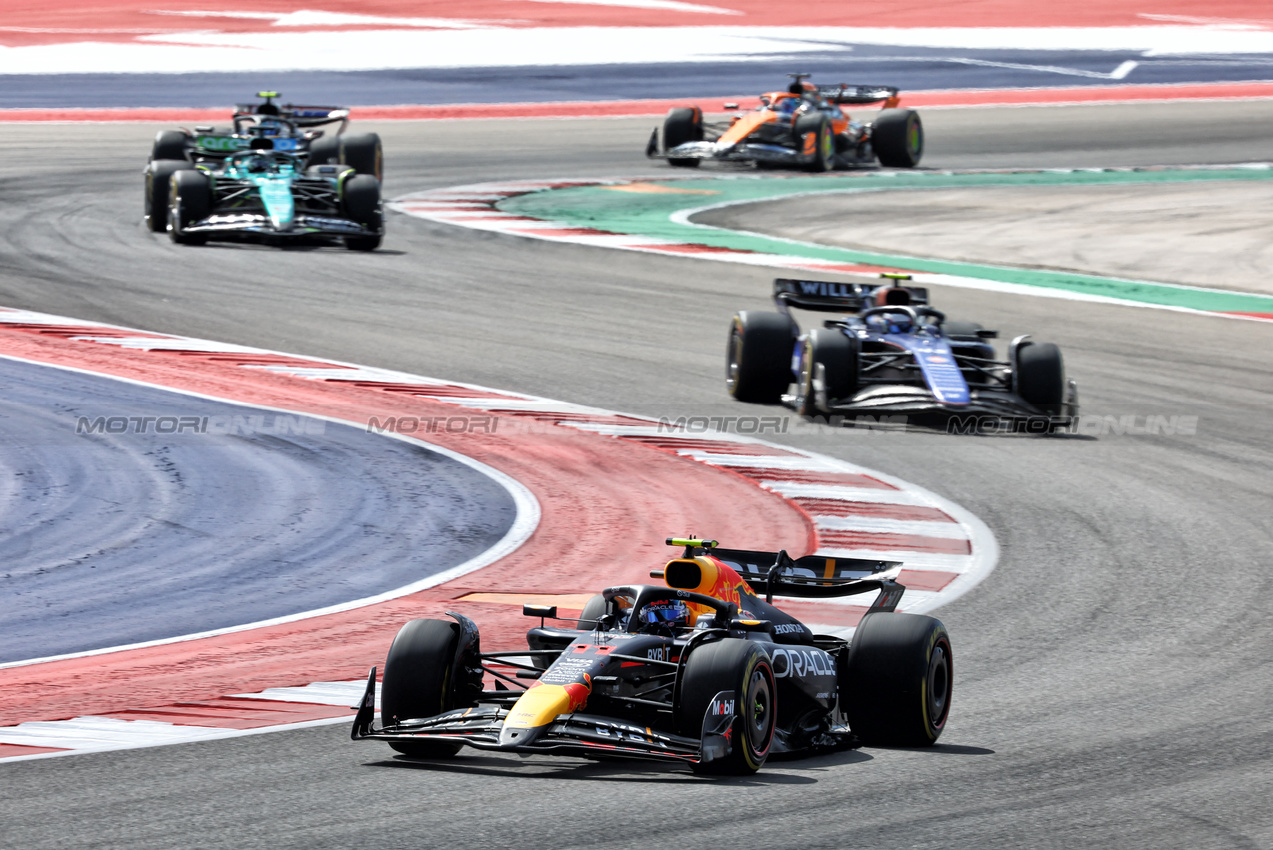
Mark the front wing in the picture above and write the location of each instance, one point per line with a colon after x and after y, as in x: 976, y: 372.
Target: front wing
x: 907, y: 399
x: 741, y: 152
x: 577, y: 734
x: 260, y: 224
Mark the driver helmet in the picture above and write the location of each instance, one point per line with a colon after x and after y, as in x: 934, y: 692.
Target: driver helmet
x: 664, y: 617
x: 891, y: 323
x: 786, y: 106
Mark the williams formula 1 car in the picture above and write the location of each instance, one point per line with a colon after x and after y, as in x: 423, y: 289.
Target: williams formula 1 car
x: 891, y: 353
x: 702, y: 671
x: 289, y: 132
x: 802, y: 127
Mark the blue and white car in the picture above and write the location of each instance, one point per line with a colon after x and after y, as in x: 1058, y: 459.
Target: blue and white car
x: 891, y: 353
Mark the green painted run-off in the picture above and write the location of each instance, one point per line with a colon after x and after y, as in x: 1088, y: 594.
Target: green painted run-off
x: 651, y: 215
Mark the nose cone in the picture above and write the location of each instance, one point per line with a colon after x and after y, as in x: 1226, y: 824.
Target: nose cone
x: 539, y: 707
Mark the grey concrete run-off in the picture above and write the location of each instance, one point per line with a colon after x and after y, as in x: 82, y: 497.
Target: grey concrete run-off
x: 1112, y: 674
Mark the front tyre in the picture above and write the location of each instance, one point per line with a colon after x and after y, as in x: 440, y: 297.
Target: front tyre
x: 170, y: 144
x: 191, y: 201
x: 158, y: 178
x: 743, y: 667
x: 1040, y: 376
x: 758, y: 358
x: 418, y: 681
x: 681, y: 126
x: 837, y: 354
x: 819, y: 126
x: 360, y: 201
x: 898, y: 679
x: 897, y: 137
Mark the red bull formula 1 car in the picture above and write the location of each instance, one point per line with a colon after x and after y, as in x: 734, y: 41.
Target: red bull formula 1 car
x: 802, y: 127
x: 703, y: 670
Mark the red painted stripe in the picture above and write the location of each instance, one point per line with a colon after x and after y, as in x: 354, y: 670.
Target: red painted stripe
x: 637, y: 108
x: 831, y: 479
x: 875, y: 510
x: 1266, y: 316
x: 420, y: 390
x: 934, y: 580
x: 685, y: 444
x: 888, y: 540
x: 564, y: 231
x: 691, y: 248
x: 11, y: 750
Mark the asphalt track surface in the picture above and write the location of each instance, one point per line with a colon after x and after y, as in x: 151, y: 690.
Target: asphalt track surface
x: 190, y: 515
x: 1112, y: 673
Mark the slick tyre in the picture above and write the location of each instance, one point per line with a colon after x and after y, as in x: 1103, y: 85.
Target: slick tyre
x: 158, y: 177
x: 681, y: 126
x: 169, y: 144
x: 1040, y: 376
x: 360, y: 201
x: 418, y: 679
x: 898, y: 679
x: 743, y: 667
x: 325, y: 150
x: 819, y: 126
x: 837, y: 354
x: 362, y: 152
x: 897, y: 137
x: 758, y: 357
x: 190, y: 199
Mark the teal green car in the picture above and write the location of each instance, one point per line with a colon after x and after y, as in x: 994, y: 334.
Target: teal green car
x: 263, y: 194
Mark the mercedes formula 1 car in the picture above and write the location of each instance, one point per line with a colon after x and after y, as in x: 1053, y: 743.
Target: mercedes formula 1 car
x: 289, y: 130
x: 802, y: 127
x: 702, y: 670
x: 891, y: 353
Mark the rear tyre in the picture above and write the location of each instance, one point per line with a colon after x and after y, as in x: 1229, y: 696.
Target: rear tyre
x: 898, y: 680
x: 824, y: 140
x: 758, y: 359
x: 681, y: 126
x: 190, y: 201
x: 360, y: 200
x: 158, y: 177
x: 1040, y: 376
x: 362, y: 152
x: 742, y: 667
x: 838, y: 355
x: 897, y: 137
x: 169, y: 144
x: 417, y: 681
x: 325, y: 150
x: 595, y: 608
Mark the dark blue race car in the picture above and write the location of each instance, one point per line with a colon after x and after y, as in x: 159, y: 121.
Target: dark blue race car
x: 891, y: 353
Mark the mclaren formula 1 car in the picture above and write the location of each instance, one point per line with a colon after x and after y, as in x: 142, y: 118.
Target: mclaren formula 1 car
x: 803, y: 127
x: 703, y: 670
x: 891, y: 353
x: 290, y: 129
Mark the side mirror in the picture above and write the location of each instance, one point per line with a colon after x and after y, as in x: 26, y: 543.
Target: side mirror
x: 738, y: 624
x: 542, y: 611
x: 731, y: 106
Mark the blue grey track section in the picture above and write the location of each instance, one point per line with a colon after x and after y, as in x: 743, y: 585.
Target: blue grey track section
x: 908, y: 68
x: 111, y: 539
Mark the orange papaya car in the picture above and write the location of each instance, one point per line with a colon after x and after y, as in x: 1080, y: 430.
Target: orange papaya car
x: 802, y: 127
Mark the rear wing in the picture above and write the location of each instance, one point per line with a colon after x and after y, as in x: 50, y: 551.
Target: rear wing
x: 301, y: 116
x: 832, y: 297
x: 844, y: 93
x: 812, y: 576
